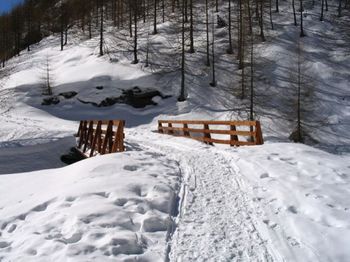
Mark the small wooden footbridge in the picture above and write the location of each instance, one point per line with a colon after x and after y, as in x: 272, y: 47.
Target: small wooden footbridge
x: 99, y: 137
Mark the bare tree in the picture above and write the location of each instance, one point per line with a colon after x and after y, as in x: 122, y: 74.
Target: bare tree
x: 302, y: 34
x: 46, y: 76
x: 213, y: 82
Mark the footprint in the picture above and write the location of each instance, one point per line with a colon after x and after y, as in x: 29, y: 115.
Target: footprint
x: 286, y: 158
x: 131, y: 168
x: 269, y: 223
x: 292, y: 209
x: 4, y: 244
x: 12, y: 228
x: 102, y: 194
x: 76, y: 237
x: 120, y: 202
x: 70, y: 199
x: 41, y: 207
x: 22, y: 217
x: 264, y: 175
x: 136, y: 189
x: 293, y: 242
x: 4, y: 225
x: 32, y: 252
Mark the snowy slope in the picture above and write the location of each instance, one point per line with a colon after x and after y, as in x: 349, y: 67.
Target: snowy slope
x: 276, y: 202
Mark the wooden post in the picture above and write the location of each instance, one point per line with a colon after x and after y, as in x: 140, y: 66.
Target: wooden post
x: 121, y: 136
x: 82, y: 134
x: 160, y: 127
x: 79, y: 129
x: 107, y: 137
x: 97, y: 134
x: 99, y: 142
x: 207, y: 134
x: 89, y: 133
x: 259, y: 138
x: 233, y: 138
x: 118, y: 145
x: 186, y: 133
x: 170, y: 131
x: 110, y: 140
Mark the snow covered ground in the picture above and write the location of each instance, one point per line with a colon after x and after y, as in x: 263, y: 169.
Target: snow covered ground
x: 276, y: 202
x: 104, y: 208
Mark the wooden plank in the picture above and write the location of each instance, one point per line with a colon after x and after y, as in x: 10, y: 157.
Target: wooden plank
x: 86, y: 139
x: 118, y: 145
x: 105, y: 131
x: 211, y: 131
x: 219, y: 141
x: 97, y: 134
x: 82, y: 134
x: 107, y: 137
x: 199, y: 122
x: 79, y: 129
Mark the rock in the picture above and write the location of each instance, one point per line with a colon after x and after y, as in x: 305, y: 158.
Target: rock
x: 140, y: 99
x: 109, y: 101
x: 72, y: 157
x: 54, y: 100
x: 88, y: 102
x: 135, y: 97
x: 99, y: 87
x: 69, y: 94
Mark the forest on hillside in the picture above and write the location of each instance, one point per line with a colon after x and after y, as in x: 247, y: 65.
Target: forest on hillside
x: 244, y: 21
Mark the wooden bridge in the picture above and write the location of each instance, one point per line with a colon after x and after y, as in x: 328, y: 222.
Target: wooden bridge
x: 203, y: 130
x: 100, y: 137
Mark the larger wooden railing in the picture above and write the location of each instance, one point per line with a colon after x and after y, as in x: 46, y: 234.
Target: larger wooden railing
x: 100, y: 137
x: 200, y: 130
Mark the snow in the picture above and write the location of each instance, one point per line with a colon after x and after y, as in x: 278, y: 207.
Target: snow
x: 169, y: 198
x: 105, y: 208
x: 276, y: 202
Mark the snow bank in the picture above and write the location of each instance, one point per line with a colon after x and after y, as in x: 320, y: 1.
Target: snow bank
x: 116, y: 207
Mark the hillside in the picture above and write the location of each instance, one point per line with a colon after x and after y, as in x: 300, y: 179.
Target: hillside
x: 175, y: 199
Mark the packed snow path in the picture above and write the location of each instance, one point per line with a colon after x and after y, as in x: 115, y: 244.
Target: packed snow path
x: 216, y: 220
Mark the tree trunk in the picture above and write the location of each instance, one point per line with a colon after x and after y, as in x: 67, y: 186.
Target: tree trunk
x: 191, y: 28
x: 302, y: 34
x: 207, y: 30
x: 155, y: 18
x: 230, y: 46
x: 182, y: 91
x: 135, y: 34
x: 294, y: 13
x: 213, y: 83
x: 262, y: 35
x: 101, y: 29
x: 322, y: 8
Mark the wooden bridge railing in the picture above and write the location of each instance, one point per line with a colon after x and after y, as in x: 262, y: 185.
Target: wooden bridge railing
x: 100, y: 137
x: 190, y: 129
